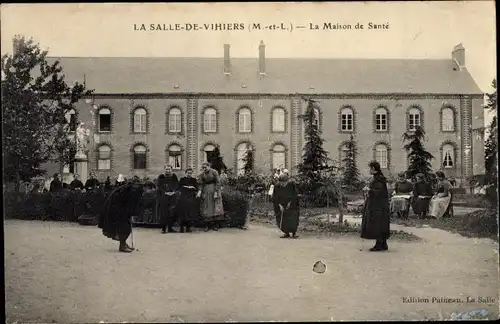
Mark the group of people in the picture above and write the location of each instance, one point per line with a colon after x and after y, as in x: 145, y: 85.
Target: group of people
x: 91, y: 184
x: 183, y: 200
x: 378, y: 205
x: 177, y: 201
x: 56, y: 185
x: 421, y: 196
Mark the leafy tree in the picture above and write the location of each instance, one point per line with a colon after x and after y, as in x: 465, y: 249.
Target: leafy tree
x: 216, y: 161
x: 419, y: 158
x: 351, y: 174
x: 35, y: 101
x: 315, y: 158
x: 491, y: 144
x: 331, y: 190
x: 249, y: 160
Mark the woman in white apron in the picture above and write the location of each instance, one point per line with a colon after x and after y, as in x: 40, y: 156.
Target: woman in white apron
x: 440, y: 202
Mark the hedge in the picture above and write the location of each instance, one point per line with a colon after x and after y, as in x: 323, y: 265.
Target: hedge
x: 71, y: 206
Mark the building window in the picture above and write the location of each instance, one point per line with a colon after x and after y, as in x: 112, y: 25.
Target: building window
x: 175, y: 156
x: 140, y: 157
x: 278, y: 157
x: 210, y: 120
x: 174, y: 120
x: 241, y: 152
x: 414, y: 119
x: 244, y: 120
x: 381, y: 155
x: 209, y: 151
x: 346, y: 120
x: 278, y: 120
x: 104, y: 158
x: 448, y: 156
x: 447, y: 119
x: 140, y: 116
x: 71, y: 119
x: 381, y: 120
x: 104, y: 120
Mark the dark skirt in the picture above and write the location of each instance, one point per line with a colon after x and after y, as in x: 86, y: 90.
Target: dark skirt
x: 289, y: 221
x: 375, y: 224
x: 119, y: 207
x: 115, y: 221
x: 188, y: 209
x: 120, y: 231
x: 166, y: 209
x: 420, y: 205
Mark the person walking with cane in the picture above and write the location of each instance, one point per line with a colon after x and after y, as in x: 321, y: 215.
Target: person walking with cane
x: 286, y: 206
x: 121, y: 205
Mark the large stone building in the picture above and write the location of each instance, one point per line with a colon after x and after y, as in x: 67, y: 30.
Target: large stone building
x: 148, y: 112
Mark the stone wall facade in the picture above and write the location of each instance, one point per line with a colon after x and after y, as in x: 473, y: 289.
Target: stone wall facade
x: 468, y: 115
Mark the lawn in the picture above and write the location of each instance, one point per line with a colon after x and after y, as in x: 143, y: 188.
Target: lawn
x: 312, y: 224
x: 480, y: 224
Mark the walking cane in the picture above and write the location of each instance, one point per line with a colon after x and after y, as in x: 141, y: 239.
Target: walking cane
x: 247, y: 218
x: 132, y: 232
x: 281, y: 218
x: 364, y: 205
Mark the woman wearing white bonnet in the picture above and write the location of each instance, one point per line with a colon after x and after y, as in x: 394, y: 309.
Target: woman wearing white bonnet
x: 120, y: 180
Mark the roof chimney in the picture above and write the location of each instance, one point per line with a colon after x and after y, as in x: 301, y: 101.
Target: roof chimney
x: 227, y: 62
x: 262, y: 58
x: 458, y: 56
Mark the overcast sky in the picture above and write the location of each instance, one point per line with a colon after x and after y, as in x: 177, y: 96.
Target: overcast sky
x: 416, y: 30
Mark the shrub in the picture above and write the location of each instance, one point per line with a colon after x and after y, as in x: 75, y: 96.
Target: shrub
x: 66, y: 205
x: 70, y: 205
x: 316, y: 193
x: 149, y: 199
x: 492, y: 195
x: 248, y: 182
x: 236, y: 206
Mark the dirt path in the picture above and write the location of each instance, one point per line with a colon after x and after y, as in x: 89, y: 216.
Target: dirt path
x: 59, y: 272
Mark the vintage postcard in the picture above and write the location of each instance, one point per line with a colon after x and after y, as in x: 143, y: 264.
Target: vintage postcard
x: 233, y: 162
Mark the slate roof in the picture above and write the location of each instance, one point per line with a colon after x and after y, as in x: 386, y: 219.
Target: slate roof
x: 136, y: 75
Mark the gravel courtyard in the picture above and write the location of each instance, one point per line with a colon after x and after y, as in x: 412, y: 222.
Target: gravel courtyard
x: 60, y: 272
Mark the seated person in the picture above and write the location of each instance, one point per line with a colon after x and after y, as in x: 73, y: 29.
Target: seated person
x: 422, y: 193
x: 401, y: 196
x: 441, y: 201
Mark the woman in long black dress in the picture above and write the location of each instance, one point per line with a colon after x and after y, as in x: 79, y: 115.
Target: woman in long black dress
x: 119, y: 207
x: 286, y: 206
x: 166, y: 189
x: 376, y: 214
x: 422, y: 194
x: 187, y: 207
